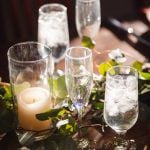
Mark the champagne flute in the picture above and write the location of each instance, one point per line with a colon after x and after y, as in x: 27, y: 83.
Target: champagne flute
x: 121, y: 103
x: 87, y: 17
x: 53, y: 29
x: 79, y: 81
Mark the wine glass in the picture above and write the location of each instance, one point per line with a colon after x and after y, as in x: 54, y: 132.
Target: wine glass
x: 87, y: 17
x: 121, y: 103
x: 53, y: 29
x: 144, y: 7
x: 79, y: 80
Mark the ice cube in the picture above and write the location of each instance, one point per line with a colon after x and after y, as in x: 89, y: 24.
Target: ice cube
x: 116, y: 95
x: 131, y: 83
x: 132, y: 94
x: 116, y: 82
x: 113, y: 110
x: 126, y: 104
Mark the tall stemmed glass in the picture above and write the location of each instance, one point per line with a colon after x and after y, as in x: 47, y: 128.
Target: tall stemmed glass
x: 53, y: 29
x: 121, y: 103
x: 87, y: 17
x: 79, y: 78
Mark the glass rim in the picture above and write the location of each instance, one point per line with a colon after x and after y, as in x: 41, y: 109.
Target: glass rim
x: 26, y: 43
x: 87, y: 1
x: 50, y: 5
x: 124, y: 66
x: 81, y: 57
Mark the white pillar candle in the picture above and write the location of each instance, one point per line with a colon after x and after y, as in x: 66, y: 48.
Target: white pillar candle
x: 32, y: 101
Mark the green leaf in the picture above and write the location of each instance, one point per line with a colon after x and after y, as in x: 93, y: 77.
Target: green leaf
x: 103, y: 67
x: 6, y: 119
x: 59, y: 87
x: 6, y: 109
x: 137, y: 65
x: 20, y: 87
x: 70, y: 128
x: 99, y: 106
x: 53, y: 113
x: 145, y: 75
x: 87, y: 42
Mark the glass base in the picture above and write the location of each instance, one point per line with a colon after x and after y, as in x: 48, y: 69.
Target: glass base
x: 120, y: 144
x: 2, y: 135
x: 28, y: 137
x: 85, y: 144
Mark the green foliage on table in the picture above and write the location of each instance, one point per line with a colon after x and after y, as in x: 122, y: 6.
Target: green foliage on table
x: 55, y: 142
x: 103, y: 67
x: 144, y: 75
x: 59, y: 87
x: 62, y: 116
x: 87, y: 42
x: 64, y: 120
x: 6, y: 109
x: 144, y: 81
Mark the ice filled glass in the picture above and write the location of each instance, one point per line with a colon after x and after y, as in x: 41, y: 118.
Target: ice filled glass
x: 121, y: 99
x: 53, y: 29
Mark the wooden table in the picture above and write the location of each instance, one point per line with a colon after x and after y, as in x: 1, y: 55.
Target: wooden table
x: 106, y: 41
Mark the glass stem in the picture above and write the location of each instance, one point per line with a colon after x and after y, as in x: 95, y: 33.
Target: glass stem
x: 80, y: 115
x: 120, y: 140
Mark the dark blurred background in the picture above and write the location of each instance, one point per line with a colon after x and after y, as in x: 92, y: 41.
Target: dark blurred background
x: 18, y: 20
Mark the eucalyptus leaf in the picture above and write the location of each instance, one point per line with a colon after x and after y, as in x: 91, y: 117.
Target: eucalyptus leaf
x: 59, y: 87
x: 20, y: 87
x: 145, y: 75
x: 137, y: 65
x: 103, y: 67
x: 87, y: 42
x: 53, y: 113
x: 6, y: 109
x: 99, y: 105
x: 70, y: 128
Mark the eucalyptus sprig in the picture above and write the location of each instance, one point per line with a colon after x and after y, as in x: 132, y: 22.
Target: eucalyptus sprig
x: 6, y: 109
x: 88, y: 42
x: 62, y: 120
x: 116, y: 57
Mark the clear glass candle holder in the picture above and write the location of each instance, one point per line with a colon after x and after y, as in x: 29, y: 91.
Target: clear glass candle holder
x: 30, y: 65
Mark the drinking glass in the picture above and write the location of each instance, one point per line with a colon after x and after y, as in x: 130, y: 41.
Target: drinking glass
x: 144, y: 7
x: 121, y: 103
x: 30, y: 66
x: 53, y: 29
x: 87, y: 17
x: 79, y: 79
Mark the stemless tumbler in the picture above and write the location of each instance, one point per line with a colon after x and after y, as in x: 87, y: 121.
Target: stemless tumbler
x: 30, y: 72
